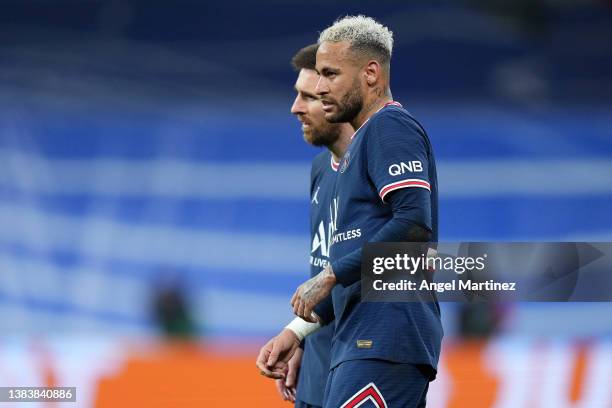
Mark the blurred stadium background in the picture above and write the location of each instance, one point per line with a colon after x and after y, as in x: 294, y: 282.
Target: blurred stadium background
x: 154, y: 187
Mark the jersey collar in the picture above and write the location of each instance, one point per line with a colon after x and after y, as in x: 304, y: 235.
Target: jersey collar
x: 334, y: 164
x: 390, y: 103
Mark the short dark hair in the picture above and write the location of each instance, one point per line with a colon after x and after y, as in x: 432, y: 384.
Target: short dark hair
x: 306, y: 58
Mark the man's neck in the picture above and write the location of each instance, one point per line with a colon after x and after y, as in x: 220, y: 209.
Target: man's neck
x: 370, y: 107
x: 338, y: 148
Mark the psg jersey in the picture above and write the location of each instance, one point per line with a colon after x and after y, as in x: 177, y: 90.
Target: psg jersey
x: 317, y: 347
x: 390, y: 151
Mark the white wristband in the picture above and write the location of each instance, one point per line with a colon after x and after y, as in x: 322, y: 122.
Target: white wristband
x: 302, y: 328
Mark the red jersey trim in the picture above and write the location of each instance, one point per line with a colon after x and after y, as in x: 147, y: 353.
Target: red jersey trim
x: 334, y: 165
x: 403, y: 184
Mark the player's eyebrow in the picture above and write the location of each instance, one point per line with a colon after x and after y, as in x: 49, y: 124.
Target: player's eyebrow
x: 309, y: 95
x: 327, y: 70
x: 305, y: 93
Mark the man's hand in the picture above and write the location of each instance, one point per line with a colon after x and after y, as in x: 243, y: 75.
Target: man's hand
x: 287, y: 394
x: 288, y: 388
x: 311, y: 292
x: 275, y: 354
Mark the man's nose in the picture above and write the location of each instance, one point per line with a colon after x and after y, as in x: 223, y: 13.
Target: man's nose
x: 321, y: 87
x: 298, y: 106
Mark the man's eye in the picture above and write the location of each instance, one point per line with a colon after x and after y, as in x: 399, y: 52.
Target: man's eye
x: 310, y: 98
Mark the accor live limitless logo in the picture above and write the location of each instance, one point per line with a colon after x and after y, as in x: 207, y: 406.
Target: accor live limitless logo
x: 343, y: 235
x: 322, y: 239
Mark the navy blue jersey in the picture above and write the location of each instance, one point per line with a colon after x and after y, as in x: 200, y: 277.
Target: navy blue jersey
x: 317, y: 347
x: 390, y: 151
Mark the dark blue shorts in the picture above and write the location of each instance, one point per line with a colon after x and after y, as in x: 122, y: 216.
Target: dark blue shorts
x: 376, y: 384
x: 302, y: 404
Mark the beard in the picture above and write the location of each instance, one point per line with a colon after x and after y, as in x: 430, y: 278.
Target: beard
x: 326, y: 135
x: 349, y: 106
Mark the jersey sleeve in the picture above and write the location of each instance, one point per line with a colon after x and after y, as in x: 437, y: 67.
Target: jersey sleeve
x: 325, y: 311
x: 397, y: 154
x: 404, y: 226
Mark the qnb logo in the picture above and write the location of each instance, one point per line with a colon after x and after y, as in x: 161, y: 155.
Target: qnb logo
x: 413, y: 166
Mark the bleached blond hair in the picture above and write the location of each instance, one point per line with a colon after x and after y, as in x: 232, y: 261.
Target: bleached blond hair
x: 365, y: 34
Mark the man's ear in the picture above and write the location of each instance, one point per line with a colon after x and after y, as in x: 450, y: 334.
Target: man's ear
x: 372, y: 72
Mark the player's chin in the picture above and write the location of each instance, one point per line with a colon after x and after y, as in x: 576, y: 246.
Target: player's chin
x: 317, y: 140
x: 309, y: 136
x: 333, y: 117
